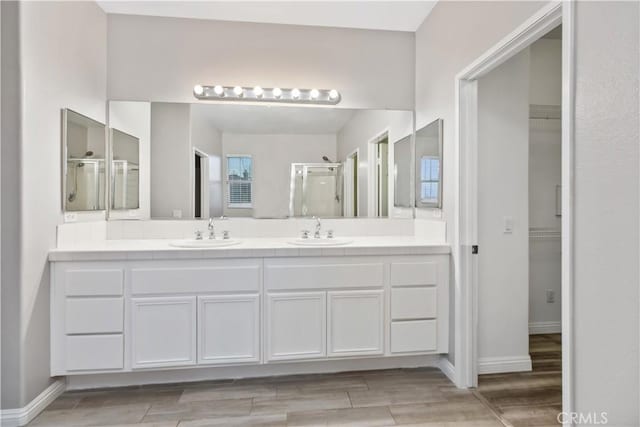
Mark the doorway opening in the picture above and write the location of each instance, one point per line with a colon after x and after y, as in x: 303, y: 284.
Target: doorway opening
x: 200, y: 184
x: 351, y: 185
x: 379, y: 163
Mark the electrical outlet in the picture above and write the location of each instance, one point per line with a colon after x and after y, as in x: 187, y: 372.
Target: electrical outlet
x: 551, y: 296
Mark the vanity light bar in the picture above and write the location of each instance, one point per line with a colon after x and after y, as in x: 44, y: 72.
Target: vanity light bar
x: 259, y: 94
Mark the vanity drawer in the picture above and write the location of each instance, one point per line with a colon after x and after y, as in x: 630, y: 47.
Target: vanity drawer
x: 98, y: 282
x: 414, y: 303
x: 414, y: 273
x: 192, y: 280
x: 94, y: 352
x: 413, y: 335
x: 93, y: 315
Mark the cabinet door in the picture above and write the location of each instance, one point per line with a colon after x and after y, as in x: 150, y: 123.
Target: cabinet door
x: 296, y: 327
x: 163, y: 331
x: 228, y: 329
x: 356, y: 323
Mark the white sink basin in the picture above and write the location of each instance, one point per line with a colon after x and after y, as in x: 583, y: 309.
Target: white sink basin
x: 324, y: 242
x: 204, y: 243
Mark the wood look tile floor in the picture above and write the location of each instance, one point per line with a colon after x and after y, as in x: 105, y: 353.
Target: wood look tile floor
x: 416, y: 397
x: 529, y: 398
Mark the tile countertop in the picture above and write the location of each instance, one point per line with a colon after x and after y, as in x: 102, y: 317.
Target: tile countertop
x: 111, y: 250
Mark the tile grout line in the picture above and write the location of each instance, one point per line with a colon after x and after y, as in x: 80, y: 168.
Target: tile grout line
x: 491, y: 408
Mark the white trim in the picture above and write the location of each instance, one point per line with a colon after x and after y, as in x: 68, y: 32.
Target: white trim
x: 446, y: 367
x: 536, y: 328
x: 465, y: 88
x: 499, y: 365
x: 23, y: 416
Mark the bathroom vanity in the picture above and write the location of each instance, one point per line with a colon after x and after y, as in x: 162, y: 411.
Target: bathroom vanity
x: 129, y: 307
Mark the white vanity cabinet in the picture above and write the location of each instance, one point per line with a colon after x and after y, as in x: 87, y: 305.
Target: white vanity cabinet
x: 146, y: 315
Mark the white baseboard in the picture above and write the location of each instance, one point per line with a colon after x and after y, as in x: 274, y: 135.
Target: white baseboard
x: 23, y: 416
x: 536, y: 328
x: 447, y: 368
x: 498, y: 365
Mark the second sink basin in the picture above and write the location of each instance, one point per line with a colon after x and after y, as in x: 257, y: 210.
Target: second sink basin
x: 204, y: 243
x: 320, y: 242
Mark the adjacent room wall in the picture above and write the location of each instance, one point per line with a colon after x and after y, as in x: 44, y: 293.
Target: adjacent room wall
x: 503, y: 180
x: 545, y: 154
x: 63, y: 57
x: 606, y: 227
x: 363, y: 127
x: 272, y: 157
x: 161, y: 59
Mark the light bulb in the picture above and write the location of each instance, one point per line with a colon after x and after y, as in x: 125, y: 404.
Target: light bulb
x: 314, y: 93
x: 333, y: 94
x: 277, y: 92
x: 218, y: 90
x: 257, y: 91
x: 295, y: 93
x: 198, y: 90
x: 238, y: 91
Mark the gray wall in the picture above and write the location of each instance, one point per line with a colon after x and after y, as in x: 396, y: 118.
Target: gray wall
x: 161, y: 59
x: 606, y: 210
x: 10, y: 201
x: 170, y: 159
x: 69, y: 72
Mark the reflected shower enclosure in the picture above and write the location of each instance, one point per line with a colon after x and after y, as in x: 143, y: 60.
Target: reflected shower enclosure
x: 316, y: 189
x: 83, y: 147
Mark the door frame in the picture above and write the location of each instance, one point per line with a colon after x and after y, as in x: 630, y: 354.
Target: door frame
x: 466, y: 196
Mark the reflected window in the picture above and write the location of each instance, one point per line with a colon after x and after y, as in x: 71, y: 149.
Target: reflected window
x: 429, y: 179
x: 239, y: 182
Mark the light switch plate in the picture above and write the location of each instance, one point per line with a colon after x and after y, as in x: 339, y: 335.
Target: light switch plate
x: 508, y: 225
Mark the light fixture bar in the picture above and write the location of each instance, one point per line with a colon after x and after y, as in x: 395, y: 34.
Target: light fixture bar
x: 260, y: 94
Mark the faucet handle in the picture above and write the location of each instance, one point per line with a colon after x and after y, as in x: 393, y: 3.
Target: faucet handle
x: 198, y: 235
x: 305, y: 234
x: 329, y: 234
x: 225, y: 235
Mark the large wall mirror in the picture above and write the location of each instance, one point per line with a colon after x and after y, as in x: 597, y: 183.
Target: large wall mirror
x: 125, y: 171
x: 428, y: 157
x: 83, y: 169
x: 402, y: 171
x: 271, y: 161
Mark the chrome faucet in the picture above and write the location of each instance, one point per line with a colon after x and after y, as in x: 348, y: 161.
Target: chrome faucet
x: 211, y: 228
x: 316, y: 235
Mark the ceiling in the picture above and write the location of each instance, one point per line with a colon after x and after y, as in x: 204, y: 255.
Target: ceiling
x: 372, y: 15
x: 265, y: 119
